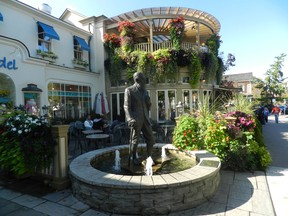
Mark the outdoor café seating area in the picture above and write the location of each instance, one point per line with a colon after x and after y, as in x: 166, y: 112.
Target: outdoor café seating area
x: 81, y: 140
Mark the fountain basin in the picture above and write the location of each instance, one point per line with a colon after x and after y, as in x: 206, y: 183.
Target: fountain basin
x: 145, y: 195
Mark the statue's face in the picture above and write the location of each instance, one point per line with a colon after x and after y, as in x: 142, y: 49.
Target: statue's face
x: 141, y: 80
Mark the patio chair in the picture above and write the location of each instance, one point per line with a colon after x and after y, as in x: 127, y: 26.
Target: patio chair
x: 160, y: 132
x: 79, y: 136
x: 121, y: 134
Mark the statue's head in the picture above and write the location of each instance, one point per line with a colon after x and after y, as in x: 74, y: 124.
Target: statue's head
x: 140, y: 79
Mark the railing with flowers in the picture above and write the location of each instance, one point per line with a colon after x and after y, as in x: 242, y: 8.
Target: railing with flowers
x: 161, y: 62
x: 166, y: 45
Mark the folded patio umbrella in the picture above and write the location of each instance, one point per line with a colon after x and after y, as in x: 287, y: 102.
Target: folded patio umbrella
x: 101, y: 104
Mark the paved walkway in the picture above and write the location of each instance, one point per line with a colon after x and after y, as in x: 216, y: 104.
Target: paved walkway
x: 276, y: 139
x: 240, y: 193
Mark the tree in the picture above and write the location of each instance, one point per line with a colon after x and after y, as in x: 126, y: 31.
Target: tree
x: 273, y: 85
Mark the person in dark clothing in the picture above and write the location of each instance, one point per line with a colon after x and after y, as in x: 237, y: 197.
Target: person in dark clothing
x: 98, y: 123
x: 266, y: 114
x: 116, y: 122
x: 260, y: 115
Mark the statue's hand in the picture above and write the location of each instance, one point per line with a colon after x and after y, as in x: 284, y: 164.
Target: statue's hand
x: 131, y: 122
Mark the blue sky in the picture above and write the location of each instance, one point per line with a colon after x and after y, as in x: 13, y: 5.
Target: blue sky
x: 255, y: 31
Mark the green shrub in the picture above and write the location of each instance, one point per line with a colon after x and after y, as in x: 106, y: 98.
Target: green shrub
x: 231, y: 137
x: 186, y: 134
x: 26, y: 143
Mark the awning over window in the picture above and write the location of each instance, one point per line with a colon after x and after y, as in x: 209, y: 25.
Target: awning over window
x: 1, y: 17
x: 82, y: 43
x: 49, y: 31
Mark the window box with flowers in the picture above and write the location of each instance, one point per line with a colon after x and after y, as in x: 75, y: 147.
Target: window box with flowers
x: 27, y: 146
x: 50, y: 56
x: 80, y: 63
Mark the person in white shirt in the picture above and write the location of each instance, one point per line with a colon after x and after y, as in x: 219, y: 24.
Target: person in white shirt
x: 88, y: 124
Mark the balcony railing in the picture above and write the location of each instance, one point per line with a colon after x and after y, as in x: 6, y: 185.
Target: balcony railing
x: 163, y: 45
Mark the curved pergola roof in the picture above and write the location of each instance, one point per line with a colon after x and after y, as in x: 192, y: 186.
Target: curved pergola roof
x: 160, y: 17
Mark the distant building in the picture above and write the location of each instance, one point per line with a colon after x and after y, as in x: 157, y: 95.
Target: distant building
x: 241, y: 80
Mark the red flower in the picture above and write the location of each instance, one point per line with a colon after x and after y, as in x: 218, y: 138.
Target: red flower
x: 127, y: 25
x: 177, y: 23
x: 111, y: 41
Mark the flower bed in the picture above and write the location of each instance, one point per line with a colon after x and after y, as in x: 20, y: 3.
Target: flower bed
x: 233, y: 137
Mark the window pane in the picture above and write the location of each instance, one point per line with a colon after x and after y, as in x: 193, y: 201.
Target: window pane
x: 69, y: 101
x: 171, y: 102
x: 161, y: 105
x: 186, y: 101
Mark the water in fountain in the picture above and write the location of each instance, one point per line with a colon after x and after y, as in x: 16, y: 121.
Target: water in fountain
x: 163, y: 155
x: 117, y: 161
x: 175, y: 161
x: 148, y: 167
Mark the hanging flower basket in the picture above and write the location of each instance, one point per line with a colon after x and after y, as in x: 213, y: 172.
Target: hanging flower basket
x: 176, y: 30
x: 111, y: 41
x: 127, y: 35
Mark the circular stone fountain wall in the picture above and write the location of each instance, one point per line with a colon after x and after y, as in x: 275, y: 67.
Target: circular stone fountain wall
x: 144, y: 195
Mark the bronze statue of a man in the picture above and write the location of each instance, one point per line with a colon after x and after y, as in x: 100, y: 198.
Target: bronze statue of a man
x: 136, y: 106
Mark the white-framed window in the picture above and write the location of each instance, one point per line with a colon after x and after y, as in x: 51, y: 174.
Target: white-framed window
x: 45, y: 35
x: 185, y: 79
x: 166, y: 100
x: 79, y: 45
x: 190, y: 99
x: 44, y: 42
x: 117, y: 103
x: 78, y: 53
x: 69, y: 101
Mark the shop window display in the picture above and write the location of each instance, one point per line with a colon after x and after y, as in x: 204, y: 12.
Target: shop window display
x: 69, y: 101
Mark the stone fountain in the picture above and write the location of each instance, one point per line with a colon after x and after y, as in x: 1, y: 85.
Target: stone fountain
x: 144, y: 194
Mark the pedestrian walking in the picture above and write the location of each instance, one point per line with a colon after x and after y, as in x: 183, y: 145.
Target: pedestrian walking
x: 260, y: 115
x: 276, y: 111
x: 266, y: 114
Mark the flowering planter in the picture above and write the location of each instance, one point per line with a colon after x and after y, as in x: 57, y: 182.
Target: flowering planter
x: 79, y: 66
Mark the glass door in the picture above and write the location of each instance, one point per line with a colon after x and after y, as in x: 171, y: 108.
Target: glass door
x: 166, y: 100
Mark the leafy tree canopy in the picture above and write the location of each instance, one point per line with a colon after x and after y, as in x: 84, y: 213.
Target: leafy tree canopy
x: 273, y: 85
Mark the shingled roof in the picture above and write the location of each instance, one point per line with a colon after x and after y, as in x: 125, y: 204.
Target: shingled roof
x: 239, y: 77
